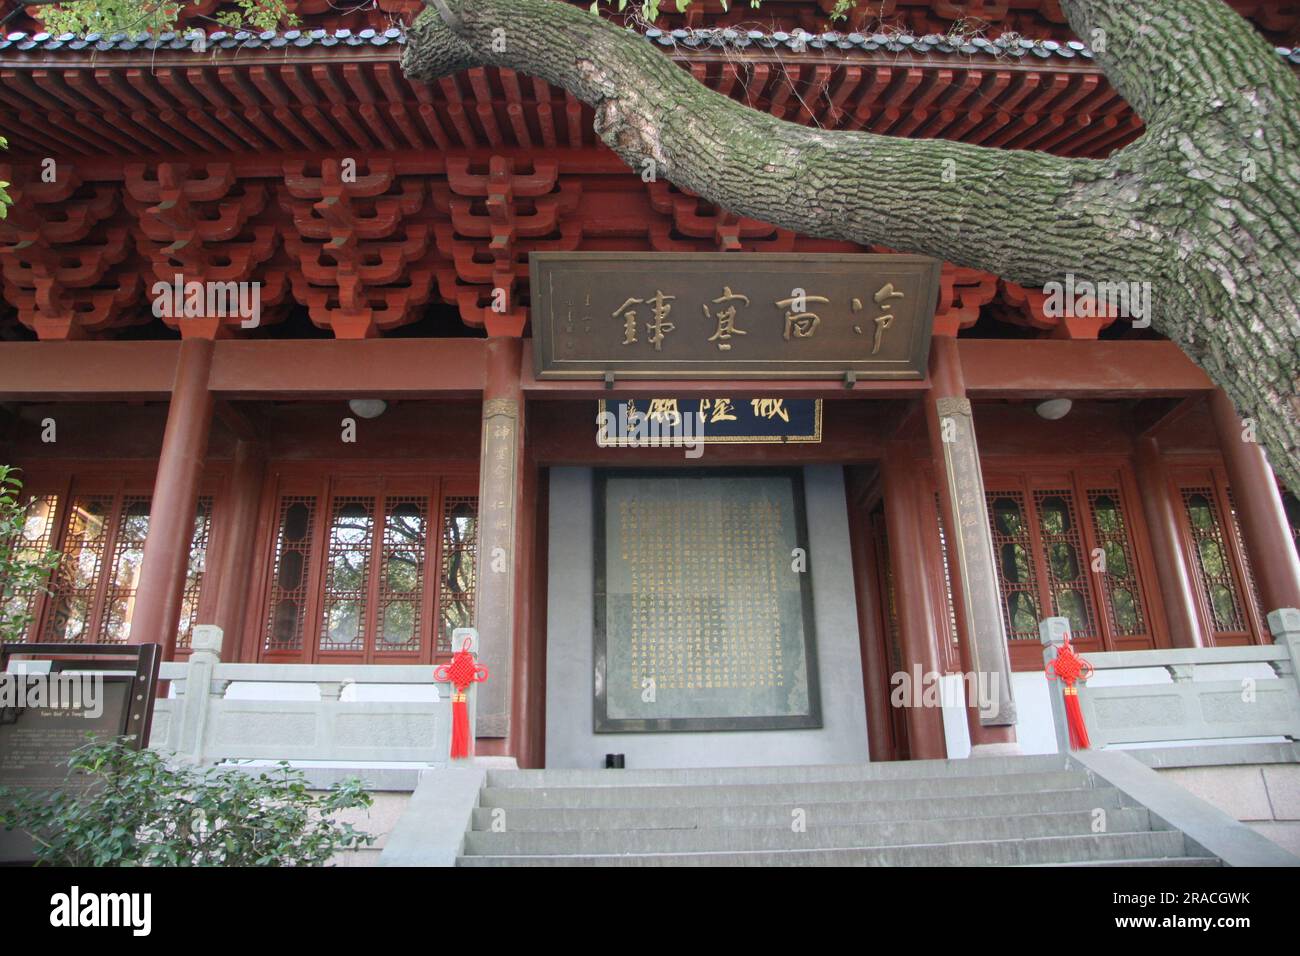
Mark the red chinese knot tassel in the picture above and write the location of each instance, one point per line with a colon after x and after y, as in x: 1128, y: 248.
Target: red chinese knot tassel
x: 1070, y: 668
x: 461, y: 672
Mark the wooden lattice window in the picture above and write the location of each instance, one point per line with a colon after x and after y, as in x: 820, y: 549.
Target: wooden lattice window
x: 457, y: 581
x: 1247, y: 573
x: 290, y: 574
x: 1122, y: 594
x: 1068, y: 583
x: 1066, y: 546
x: 1017, y: 574
x: 198, y: 564
x: 75, y: 587
x: 33, y: 542
x: 100, y: 536
x: 355, y: 559
x: 1214, y: 571
x: 349, y: 547
x: 124, y: 570
x: 401, y: 576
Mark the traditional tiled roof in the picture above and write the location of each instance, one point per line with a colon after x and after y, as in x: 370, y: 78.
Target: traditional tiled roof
x: 698, y: 41
x: 801, y: 42
x: 220, y: 39
x: 1278, y: 20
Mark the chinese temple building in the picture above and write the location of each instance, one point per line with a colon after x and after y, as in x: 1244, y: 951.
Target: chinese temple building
x: 271, y: 359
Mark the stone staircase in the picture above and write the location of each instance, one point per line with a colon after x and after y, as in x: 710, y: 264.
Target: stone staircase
x: 994, y: 811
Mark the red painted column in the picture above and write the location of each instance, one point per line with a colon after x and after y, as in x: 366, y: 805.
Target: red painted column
x: 242, y: 504
x: 1264, y: 528
x: 1172, y: 569
x: 499, y: 553
x: 875, y: 665
x: 976, y: 596
x: 916, y: 636
x: 175, y: 499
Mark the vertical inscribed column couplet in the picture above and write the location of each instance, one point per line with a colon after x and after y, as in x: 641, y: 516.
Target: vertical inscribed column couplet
x: 498, y: 530
x: 972, y: 558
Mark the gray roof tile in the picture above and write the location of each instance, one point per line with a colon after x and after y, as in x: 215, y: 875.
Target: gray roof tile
x: 797, y: 42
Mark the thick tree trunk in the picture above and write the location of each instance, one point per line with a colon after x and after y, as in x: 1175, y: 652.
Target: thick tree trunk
x: 1205, y: 207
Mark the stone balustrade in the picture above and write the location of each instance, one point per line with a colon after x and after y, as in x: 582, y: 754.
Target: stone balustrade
x: 320, y: 712
x: 1187, y: 694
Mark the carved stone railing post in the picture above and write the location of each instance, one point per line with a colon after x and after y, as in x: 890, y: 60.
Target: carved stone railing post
x: 1052, y: 632
x: 205, y: 655
x: 458, y: 636
x: 1285, y: 625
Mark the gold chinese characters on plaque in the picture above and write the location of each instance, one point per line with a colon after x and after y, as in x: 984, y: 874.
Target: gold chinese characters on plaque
x: 731, y: 315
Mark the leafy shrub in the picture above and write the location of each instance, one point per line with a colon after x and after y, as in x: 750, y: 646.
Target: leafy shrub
x: 126, y: 807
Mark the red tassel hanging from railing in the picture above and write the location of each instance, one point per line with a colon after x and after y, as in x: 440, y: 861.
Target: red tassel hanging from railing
x: 461, y: 672
x: 1074, y: 720
x: 1070, y: 668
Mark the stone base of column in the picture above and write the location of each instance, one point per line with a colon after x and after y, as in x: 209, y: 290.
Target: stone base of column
x: 1004, y: 749
x: 495, y: 763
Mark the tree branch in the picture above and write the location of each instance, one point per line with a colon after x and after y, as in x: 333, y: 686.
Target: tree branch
x: 1205, y: 208
x: 952, y: 200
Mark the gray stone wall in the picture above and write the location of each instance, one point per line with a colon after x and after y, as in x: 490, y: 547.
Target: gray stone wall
x: 1266, y: 797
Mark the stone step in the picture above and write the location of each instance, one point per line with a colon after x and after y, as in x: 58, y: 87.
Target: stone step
x: 534, y: 820
x: 732, y: 776
x: 1061, y: 849
x: 1151, y: 861
x: 687, y: 839
x: 787, y: 792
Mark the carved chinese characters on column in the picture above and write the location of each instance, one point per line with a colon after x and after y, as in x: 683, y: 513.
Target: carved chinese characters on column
x: 731, y: 315
x: 975, y: 556
x: 494, y: 609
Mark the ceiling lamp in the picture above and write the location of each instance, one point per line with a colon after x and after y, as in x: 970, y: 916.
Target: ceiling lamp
x: 368, y: 407
x: 1054, y: 408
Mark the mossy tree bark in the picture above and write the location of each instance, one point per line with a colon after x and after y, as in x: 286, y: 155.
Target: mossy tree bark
x: 1205, y: 206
